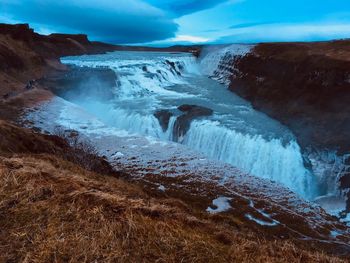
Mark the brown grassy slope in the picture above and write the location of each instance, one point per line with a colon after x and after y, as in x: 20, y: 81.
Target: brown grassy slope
x: 52, y: 210
x: 20, y: 140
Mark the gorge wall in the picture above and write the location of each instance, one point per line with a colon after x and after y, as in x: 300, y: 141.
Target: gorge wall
x: 305, y: 86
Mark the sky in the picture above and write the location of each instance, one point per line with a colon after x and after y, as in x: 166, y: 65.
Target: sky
x: 169, y: 22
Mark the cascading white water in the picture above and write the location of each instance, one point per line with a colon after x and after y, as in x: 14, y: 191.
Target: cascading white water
x: 140, y: 77
x: 235, y: 134
x: 217, y: 61
x: 253, y: 154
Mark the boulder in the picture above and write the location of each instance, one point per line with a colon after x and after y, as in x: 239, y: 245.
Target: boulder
x: 173, y: 67
x: 183, y: 122
x: 163, y: 117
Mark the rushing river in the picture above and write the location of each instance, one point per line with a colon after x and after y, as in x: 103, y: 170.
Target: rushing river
x: 235, y: 133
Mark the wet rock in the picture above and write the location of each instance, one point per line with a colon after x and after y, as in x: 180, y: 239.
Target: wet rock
x: 345, y: 185
x: 163, y: 117
x: 183, y: 122
x: 173, y: 67
x: 195, y: 110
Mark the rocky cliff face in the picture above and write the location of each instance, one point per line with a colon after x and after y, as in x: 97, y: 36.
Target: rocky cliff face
x: 306, y: 86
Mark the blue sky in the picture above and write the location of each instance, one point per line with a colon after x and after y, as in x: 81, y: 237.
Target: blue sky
x: 167, y: 22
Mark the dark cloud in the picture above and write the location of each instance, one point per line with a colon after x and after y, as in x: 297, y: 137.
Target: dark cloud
x: 122, y: 21
x: 184, y: 7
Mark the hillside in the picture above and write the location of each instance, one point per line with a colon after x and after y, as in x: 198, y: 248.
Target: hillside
x: 52, y: 210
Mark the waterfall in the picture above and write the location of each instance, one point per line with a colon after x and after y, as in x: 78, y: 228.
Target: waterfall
x: 140, y: 77
x: 152, y: 81
x: 217, y: 62
x: 268, y: 159
x: 325, y: 168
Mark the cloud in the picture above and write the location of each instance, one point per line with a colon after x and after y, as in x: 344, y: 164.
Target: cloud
x: 245, y: 25
x: 180, y: 40
x: 287, y: 32
x: 192, y: 39
x: 184, y: 7
x: 122, y: 21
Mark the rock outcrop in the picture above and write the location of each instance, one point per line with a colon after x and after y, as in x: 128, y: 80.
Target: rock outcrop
x: 183, y: 122
x: 26, y: 56
x: 163, y: 117
x: 304, y: 85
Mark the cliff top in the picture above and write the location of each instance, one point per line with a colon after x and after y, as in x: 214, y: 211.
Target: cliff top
x: 338, y: 49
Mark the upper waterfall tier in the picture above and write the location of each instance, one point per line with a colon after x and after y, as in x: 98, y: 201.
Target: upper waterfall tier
x: 217, y: 62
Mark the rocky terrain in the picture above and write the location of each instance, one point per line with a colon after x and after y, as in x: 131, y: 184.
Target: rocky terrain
x: 61, y: 202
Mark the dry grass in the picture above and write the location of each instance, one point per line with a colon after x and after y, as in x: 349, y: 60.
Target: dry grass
x: 18, y: 140
x: 54, y: 211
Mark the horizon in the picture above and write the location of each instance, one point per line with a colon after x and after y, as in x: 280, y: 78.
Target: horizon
x: 158, y: 23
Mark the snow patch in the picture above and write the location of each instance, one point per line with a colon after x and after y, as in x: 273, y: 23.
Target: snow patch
x: 261, y: 222
x: 161, y: 188
x: 118, y: 154
x: 222, y: 204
